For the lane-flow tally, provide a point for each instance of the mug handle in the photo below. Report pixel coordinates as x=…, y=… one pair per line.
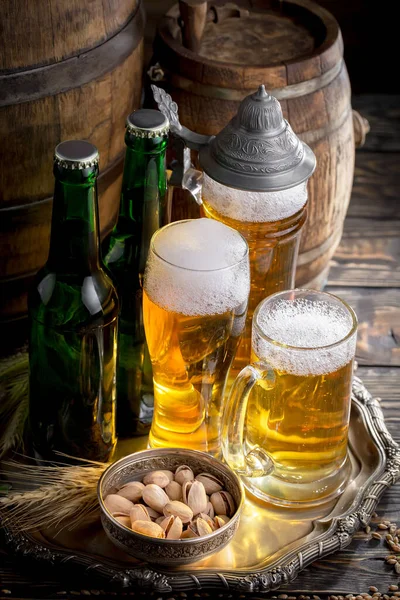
x=257, y=462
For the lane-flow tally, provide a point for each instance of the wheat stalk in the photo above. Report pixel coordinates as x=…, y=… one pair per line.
x=67, y=495
x=14, y=380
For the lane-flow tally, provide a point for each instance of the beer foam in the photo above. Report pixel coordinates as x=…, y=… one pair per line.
x=198, y=267
x=306, y=328
x=254, y=207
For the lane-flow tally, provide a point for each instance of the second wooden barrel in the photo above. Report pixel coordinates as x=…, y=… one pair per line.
x=295, y=48
x=66, y=71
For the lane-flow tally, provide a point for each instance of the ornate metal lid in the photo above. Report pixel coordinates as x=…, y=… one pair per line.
x=258, y=151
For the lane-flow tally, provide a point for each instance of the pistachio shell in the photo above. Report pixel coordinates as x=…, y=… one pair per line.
x=153, y=513
x=148, y=528
x=220, y=521
x=210, y=510
x=166, y=522
x=224, y=518
x=184, y=473
x=189, y=533
x=157, y=477
x=194, y=495
x=203, y=527
x=155, y=497
x=139, y=512
x=211, y=483
x=117, y=504
x=223, y=503
x=169, y=474
x=178, y=509
x=207, y=519
x=174, y=490
x=160, y=520
x=132, y=491
x=124, y=520
x=173, y=527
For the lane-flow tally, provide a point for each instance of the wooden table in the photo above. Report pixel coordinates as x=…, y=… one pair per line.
x=366, y=273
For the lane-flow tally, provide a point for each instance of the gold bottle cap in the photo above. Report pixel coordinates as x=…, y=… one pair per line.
x=76, y=154
x=147, y=123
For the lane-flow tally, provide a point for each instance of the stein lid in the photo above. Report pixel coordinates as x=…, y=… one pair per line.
x=258, y=150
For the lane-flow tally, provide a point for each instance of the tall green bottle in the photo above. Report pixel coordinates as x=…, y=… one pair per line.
x=142, y=211
x=73, y=311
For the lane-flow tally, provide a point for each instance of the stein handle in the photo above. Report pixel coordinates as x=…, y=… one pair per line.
x=257, y=462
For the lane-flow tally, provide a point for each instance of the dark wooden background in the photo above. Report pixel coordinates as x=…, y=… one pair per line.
x=369, y=36
x=365, y=272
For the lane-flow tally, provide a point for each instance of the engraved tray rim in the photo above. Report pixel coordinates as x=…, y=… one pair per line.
x=284, y=570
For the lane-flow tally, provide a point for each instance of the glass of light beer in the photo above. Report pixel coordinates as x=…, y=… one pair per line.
x=196, y=288
x=285, y=425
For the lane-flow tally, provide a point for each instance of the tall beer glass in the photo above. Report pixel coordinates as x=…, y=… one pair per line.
x=196, y=288
x=271, y=222
x=287, y=418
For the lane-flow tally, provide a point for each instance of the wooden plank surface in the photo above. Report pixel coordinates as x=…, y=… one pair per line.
x=378, y=313
x=383, y=114
x=376, y=186
x=368, y=255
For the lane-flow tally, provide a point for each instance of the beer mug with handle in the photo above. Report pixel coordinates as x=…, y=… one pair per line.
x=285, y=425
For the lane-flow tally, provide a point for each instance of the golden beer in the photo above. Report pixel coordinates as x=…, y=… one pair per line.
x=303, y=422
x=194, y=304
x=271, y=223
x=295, y=397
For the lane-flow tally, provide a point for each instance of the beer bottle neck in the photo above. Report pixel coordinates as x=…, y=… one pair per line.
x=74, y=242
x=144, y=180
x=143, y=203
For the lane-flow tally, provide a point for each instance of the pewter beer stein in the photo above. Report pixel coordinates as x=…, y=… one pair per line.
x=255, y=180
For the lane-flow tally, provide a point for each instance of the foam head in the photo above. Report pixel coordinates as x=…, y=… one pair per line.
x=254, y=207
x=305, y=331
x=197, y=267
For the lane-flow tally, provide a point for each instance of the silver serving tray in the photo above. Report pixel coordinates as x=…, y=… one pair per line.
x=271, y=546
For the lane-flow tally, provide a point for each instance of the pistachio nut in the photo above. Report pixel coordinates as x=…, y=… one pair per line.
x=220, y=521
x=210, y=509
x=153, y=513
x=194, y=495
x=211, y=483
x=157, y=477
x=207, y=519
x=132, y=491
x=117, y=504
x=169, y=474
x=155, y=497
x=224, y=518
x=184, y=473
x=148, y=528
x=159, y=520
x=203, y=527
x=174, y=490
x=124, y=520
x=139, y=512
x=173, y=527
x=223, y=503
x=178, y=509
x=189, y=533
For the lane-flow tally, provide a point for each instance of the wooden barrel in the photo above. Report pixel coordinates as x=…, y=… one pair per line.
x=295, y=48
x=67, y=70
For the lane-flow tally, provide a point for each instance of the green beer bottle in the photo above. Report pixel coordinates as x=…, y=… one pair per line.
x=142, y=211
x=73, y=310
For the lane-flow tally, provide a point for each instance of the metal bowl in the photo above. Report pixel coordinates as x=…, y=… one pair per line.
x=163, y=551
